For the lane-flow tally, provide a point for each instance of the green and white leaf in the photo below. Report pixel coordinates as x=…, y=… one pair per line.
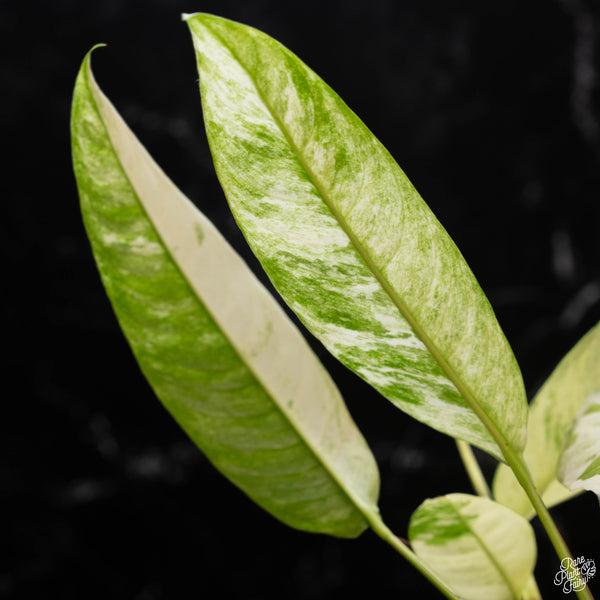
x=218, y=350
x=349, y=243
x=477, y=546
x=579, y=464
x=551, y=415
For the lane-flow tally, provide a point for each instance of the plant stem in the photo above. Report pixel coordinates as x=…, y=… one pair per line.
x=473, y=469
x=524, y=477
x=382, y=530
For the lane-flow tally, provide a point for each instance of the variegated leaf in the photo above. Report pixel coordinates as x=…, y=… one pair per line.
x=349, y=243
x=479, y=547
x=218, y=350
x=579, y=464
x=550, y=417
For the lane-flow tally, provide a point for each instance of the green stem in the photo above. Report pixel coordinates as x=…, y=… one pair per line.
x=473, y=469
x=524, y=477
x=382, y=530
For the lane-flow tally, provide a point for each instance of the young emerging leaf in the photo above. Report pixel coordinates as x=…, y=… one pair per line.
x=479, y=547
x=550, y=418
x=218, y=350
x=579, y=464
x=349, y=243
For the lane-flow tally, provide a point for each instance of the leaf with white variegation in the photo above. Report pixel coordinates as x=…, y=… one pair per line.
x=579, y=463
x=551, y=414
x=349, y=243
x=218, y=350
x=479, y=547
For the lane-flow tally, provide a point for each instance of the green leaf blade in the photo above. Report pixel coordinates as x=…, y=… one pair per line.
x=551, y=415
x=349, y=243
x=217, y=349
x=479, y=547
x=579, y=463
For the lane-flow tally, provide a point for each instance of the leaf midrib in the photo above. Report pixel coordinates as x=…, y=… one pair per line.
x=463, y=388
x=360, y=506
x=486, y=550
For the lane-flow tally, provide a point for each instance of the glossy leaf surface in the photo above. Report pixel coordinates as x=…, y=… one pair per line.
x=349, y=243
x=479, y=547
x=551, y=416
x=218, y=350
x=579, y=463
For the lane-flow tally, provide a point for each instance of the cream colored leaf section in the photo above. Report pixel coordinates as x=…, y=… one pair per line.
x=480, y=548
x=579, y=465
x=551, y=414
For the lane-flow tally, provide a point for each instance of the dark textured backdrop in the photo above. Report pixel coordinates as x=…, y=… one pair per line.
x=492, y=111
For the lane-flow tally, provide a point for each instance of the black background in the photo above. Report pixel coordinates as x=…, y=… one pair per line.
x=492, y=110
